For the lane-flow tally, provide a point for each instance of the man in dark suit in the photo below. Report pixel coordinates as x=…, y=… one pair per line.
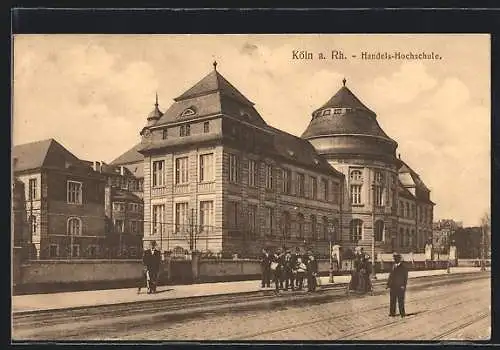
x=312, y=272
x=152, y=260
x=265, y=263
x=398, y=278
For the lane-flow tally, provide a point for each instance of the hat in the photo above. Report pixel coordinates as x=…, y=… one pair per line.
x=396, y=255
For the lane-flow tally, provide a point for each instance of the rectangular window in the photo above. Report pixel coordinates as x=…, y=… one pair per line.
x=158, y=212
x=182, y=130
x=75, y=251
x=134, y=226
x=252, y=173
x=401, y=209
x=270, y=220
x=378, y=195
x=158, y=173
x=119, y=226
x=118, y=207
x=269, y=176
x=252, y=219
x=54, y=250
x=165, y=134
x=188, y=130
x=206, y=215
x=74, y=192
x=233, y=168
x=233, y=215
x=300, y=184
x=335, y=193
x=356, y=194
x=32, y=189
x=206, y=127
x=207, y=167
x=33, y=225
x=413, y=211
x=287, y=178
x=92, y=251
x=181, y=217
x=324, y=189
x=181, y=171
x=314, y=187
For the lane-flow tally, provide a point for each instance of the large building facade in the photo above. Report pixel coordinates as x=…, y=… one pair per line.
x=63, y=201
x=218, y=178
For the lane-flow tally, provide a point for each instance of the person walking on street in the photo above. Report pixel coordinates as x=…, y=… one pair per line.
x=288, y=267
x=312, y=272
x=151, y=260
x=275, y=270
x=265, y=263
x=301, y=271
x=397, y=281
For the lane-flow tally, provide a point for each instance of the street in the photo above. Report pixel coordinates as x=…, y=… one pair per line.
x=446, y=308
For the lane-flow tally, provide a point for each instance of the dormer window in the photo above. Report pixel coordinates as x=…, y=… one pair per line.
x=327, y=112
x=337, y=111
x=356, y=175
x=188, y=112
x=165, y=134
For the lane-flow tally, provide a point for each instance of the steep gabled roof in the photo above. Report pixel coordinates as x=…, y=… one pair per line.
x=130, y=156
x=214, y=82
x=298, y=150
x=45, y=153
x=405, y=168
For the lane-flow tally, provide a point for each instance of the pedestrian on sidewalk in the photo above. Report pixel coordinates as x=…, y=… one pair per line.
x=151, y=260
x=397, y=281
x=301, y=271
x=312, y=272
x=265, y=263
x=276, y=269
x=288, y=268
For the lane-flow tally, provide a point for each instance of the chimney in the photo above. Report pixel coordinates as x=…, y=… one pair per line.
x=97, y=166
x=399, y=155
x=122, y=170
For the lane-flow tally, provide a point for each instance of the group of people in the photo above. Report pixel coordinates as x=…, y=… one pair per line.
x=360, y=274
x=289, y=270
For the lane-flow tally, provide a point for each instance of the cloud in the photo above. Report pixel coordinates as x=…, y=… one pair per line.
x=402, y=86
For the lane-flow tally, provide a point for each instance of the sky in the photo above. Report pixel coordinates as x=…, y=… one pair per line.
x=92, y=93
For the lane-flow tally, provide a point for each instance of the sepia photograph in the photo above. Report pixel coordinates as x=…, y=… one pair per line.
x=251, y=187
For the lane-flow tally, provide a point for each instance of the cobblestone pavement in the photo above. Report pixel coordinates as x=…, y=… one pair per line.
x=458, y=312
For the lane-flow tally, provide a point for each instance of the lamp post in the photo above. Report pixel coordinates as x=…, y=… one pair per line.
x=374, y=274
x=332, y=231
x=483, y=262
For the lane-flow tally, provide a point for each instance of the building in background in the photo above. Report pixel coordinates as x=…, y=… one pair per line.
x=443, y=231
x=381, y=193
x=218, y=178
x=64, y=201
x=123, y=207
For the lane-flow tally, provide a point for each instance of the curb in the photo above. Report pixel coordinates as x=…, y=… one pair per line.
x=265, y=292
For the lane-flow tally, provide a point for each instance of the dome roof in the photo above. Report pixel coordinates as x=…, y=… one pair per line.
x=345, y=126
x=155, y=114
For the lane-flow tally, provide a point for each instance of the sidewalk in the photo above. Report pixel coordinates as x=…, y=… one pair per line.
x=38, y=302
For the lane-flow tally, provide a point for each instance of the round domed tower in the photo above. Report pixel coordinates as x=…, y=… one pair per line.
x=347, y=134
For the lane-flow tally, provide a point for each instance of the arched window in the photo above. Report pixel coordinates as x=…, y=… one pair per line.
x=314, y=228
x=300, y=224
x=407, y=211
x=379, y=230
x=74, y=226
x=401, y=237
x=412, y=238
x=286, y=224
x=407, y=237
x=326, y=233
x=356, y=230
